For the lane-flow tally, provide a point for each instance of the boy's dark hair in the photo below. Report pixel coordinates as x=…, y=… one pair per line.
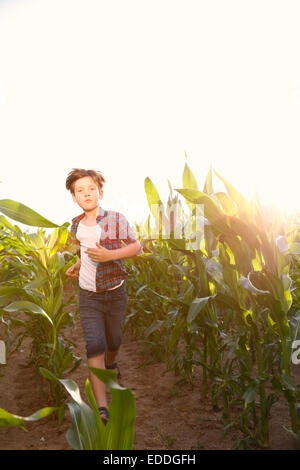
x=77, y=173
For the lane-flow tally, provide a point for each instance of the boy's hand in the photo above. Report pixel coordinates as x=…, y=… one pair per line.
x=99, y=254
x=73, y=271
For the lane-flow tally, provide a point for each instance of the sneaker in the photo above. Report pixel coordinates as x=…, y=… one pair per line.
x=103, y=414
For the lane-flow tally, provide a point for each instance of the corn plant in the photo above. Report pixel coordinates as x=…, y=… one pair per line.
x=255, y=268
x=87, y=430
x=35, y=269
x=226, y=305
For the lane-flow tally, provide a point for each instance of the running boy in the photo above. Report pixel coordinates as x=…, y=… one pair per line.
x=102, y=274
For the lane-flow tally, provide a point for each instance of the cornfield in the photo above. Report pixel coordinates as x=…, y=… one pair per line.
x=215, y=289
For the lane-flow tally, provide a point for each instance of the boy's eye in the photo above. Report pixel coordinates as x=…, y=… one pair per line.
x=91, y=188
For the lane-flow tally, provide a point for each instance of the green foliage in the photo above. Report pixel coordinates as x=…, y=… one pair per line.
x=226, y=306
x=31, y=293
x=11, y=420
x=21, y=213
x=87, y=430
x=229, y=305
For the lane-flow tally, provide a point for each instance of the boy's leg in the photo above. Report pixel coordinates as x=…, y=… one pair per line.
x=99, y=388
x=109, y=360
x=91, y=309
x=114, y=322
x=110, y=356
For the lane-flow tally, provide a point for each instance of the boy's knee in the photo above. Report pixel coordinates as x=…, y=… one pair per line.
x=94, y=349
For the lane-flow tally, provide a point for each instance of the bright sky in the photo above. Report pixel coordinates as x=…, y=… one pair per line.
x=127, y=87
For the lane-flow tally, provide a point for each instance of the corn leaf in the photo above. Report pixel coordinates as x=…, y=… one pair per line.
x=208, y=187
x=120, y=427
x=10, y=420
x=155, y=204
x=228, y=205
x=236, y=195
x=188, y=178
x=21, y=213
x=197, y=305
x=28, y=306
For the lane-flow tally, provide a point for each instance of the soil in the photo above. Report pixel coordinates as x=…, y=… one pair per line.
x=168, y=416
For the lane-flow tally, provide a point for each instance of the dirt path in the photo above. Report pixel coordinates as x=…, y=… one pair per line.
x=167, y=416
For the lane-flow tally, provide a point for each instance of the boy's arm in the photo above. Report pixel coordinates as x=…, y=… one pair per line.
x=101, y=254
x=73, y=270
x=126, y=251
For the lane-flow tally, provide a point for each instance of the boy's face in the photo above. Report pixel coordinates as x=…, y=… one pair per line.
x=87, y=193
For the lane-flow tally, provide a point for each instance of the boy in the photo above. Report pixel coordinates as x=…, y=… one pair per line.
x=102, y=274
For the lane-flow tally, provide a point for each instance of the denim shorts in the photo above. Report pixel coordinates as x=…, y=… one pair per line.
x=102, y=316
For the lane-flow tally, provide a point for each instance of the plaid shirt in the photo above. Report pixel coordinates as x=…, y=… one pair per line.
x=115, y=229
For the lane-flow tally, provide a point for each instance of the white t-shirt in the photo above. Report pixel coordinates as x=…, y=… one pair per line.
x=88, y=236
